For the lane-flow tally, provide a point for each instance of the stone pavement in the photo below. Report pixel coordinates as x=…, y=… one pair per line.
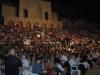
x=95, y=71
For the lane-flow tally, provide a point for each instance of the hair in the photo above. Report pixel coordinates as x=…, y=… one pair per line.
x=57, y=60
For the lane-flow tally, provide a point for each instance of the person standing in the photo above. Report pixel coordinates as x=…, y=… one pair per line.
x=25, y=65
x=37, y=67
x=12, y=63
x=58, y=67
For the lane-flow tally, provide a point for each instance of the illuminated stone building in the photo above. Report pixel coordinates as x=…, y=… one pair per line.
x=30, y=12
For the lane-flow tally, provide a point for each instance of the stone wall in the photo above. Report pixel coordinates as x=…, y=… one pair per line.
x=36, y=10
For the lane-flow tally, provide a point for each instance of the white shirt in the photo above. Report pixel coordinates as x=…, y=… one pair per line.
x=77, y=60
x=60, y=67
x=27, y=41
x=72, y=62
x=25, y=63
x=86, y=65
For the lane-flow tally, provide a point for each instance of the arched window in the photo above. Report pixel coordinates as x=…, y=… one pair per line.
x=25, y=13
x=20, y=23
x=10, y=23
x=46, y=15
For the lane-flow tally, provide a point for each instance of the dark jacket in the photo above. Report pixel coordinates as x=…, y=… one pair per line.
x=12, y=64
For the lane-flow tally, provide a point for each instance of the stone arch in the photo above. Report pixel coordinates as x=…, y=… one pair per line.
x=44, y=25
x=20, y=24
x=57, y=26
x=28, y=24
x=10, y=23
x=51, y=26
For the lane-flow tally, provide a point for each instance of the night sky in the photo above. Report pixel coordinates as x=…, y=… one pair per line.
x=78, y=10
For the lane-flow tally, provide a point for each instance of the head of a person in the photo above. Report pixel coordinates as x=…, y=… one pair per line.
x=38, y=60
x=12, y=51
x=23, y=57
x=57, y=60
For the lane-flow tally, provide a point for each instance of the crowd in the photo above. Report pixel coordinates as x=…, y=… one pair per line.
x=45, y=52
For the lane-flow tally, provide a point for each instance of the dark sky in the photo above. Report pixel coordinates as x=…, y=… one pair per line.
x=77, y=9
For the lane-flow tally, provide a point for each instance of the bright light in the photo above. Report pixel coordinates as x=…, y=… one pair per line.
x=38, y=35
x=27, y=42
